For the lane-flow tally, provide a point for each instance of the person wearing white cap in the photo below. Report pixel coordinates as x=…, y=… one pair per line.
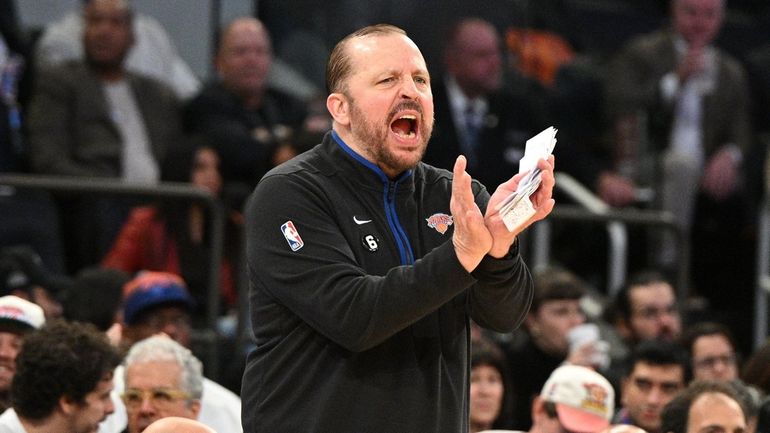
x=575, y=399
x=17, y=318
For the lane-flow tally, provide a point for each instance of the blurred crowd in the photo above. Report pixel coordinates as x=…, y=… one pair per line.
x=659, y=105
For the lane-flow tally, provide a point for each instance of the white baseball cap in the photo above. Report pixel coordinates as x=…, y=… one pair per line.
x=20, y=312
x=585, y=400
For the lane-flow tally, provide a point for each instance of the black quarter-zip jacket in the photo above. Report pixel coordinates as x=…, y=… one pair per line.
x=359, y=306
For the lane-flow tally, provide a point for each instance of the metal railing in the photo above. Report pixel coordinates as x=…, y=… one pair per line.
x=164, y=190
x=763, y=274
x=592, y=210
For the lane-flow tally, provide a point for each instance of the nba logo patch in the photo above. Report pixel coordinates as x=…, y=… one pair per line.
x=292, y=236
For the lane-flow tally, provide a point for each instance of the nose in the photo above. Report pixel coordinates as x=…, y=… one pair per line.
x=109, y=407
x=655, y=397
x=171, y=329
x=147, y=407
x=409, y=89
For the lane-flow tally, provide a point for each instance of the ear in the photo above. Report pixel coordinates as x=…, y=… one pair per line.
x=623, y=329
x=537, y=409
x=68, y=406
x=624, y=382
x=339, y=107
x=195, y=408
x=530, y=322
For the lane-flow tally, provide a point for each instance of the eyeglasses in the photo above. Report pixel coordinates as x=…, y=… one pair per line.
x=160, y=398
x=711, y=361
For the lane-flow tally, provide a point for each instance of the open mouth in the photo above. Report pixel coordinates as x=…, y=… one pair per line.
x=405, y=126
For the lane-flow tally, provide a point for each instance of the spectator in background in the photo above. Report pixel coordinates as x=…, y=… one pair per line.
x=23, y=274
x=173, y=236
x=162, y=378
x=712, y=352
x=153, y=54
x=756, y=370
x=155, y=302
x=95, y=118
x=574, y=399
x=543, y=345
x=27, y=217
x=646, y=308
x=475, y=115
x=691, y=101
x=244, y=119
x=95, y=297
x=491, y=394
x=656, y=371
x=63, y=381
x=705, y=406
x=18, y=318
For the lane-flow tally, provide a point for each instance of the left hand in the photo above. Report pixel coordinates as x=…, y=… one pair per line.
x=542, y=200
x=720, y=178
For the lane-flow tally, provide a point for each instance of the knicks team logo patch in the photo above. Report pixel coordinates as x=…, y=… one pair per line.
x=292, y=236
x=440, y=222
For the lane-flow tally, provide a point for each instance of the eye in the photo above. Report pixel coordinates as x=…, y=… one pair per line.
x=162, y=395
x=387, y=80
x=421, y=80
x=132, y=397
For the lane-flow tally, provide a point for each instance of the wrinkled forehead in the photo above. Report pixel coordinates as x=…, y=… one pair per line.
x=383, y=49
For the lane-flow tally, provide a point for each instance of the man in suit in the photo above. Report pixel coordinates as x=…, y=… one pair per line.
x=94, y=118
x=475, y=116
x=691, y=100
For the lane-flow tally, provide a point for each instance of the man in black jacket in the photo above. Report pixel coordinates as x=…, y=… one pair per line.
x=247, y=122
x=367, y=265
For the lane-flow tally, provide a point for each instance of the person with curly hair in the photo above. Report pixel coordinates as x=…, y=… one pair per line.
x=63, y=381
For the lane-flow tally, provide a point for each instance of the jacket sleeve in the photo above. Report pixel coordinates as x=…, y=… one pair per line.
x=502, y=295
x=322, y=284
x=48, y=126
x=126, y=251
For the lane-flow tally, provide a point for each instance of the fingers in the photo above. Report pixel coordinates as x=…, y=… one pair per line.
x=547, y=181
x=470, y=237
x=461, y=184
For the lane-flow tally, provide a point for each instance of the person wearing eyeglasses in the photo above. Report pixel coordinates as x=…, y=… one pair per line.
x=159, y=302
x=646, y=309
x=712, y=352
x=162, y=379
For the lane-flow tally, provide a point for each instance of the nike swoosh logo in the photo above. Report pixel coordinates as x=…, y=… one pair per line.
x=359, y=222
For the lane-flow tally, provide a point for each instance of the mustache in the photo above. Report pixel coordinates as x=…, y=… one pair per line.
x=405, y=105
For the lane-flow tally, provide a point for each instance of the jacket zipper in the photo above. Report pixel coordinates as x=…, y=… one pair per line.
x=402, y=241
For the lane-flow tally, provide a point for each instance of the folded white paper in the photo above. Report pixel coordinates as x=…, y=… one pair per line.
x=516, y=209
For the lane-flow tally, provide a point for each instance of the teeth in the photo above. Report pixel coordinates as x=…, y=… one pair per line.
x=408, y=117
x=408, y=135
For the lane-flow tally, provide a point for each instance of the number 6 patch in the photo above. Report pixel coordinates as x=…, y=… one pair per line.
x=371, y=242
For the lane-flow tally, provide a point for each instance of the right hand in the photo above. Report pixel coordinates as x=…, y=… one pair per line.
x=471, y=238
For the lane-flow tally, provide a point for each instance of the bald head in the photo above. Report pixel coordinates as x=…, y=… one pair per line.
x=175, y=424
x=472, y=56
x=244, y=57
